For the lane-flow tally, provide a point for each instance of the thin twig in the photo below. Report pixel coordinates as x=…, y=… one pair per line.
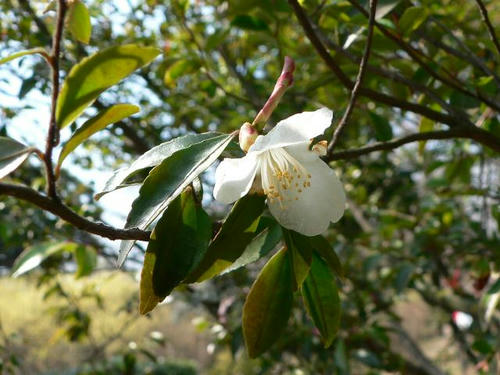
x=59, y=209
x=486, y=19
x=397, y=142
x=359, y=79
x=53, y=133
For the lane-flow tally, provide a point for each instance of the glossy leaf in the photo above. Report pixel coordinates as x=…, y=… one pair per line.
x=411, y=19
x=268, y=304
x=178, y=242
x=12, y=155
x=100, y=121
x=300, y=251
x=78, y=21
x=321, y=245
x=167, y=180
x=238, y=230
x=259, y=247
x=152, y=158
x=96, y=73
x=321, y=298
x=33, y=256
x=23, y=53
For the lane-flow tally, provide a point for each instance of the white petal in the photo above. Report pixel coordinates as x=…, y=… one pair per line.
x=295, y=129
x=318, y=205
x=234, y=177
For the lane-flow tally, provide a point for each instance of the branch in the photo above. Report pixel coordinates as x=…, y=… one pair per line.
x=486, y=19
x=53, y=133
x=56, y=207
x=398, y=142
x=374, y=95
x=357, y=85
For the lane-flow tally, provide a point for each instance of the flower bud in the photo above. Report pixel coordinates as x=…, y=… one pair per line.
x=248, y=135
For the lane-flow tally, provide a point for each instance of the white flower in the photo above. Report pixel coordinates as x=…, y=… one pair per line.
x=303, y=193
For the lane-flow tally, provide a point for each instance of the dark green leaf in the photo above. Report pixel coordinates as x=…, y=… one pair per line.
x=96, y=73
x=300, y=251
x=322, y=300
x=383, y=130
x=238, y=230
x=12, y=155
x=324, y=249
x=268, y=304
x=411, y=19
x=495, y=288
x=27, y=85
x=108, y=116
x=259, y=247
x=168, y=180
x=152, y=158
x=177, y=244
x=247, y=22
x=78, y=21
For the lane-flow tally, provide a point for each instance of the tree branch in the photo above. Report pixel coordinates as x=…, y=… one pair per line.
x=398, y=142
x=53, y=133
x=56, y=207
x=486, y=19
x=359, y=79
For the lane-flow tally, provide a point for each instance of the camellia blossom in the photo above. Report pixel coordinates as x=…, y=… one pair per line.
x=303, y=192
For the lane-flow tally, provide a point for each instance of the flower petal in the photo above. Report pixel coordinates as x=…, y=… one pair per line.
x=317, y=205
x=298, y=128
x=234, y=177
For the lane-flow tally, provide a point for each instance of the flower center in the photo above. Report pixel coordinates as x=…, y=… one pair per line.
x=283, y=177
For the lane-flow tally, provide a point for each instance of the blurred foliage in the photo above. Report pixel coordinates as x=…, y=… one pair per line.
x=422, y=222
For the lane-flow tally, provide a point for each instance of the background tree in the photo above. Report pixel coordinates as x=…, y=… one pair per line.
x=416, y=91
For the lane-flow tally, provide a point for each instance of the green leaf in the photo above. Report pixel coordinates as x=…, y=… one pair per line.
x=411, y=19
x=33, y=256
x=86, y=260
x=152, y=158
x=300, y=252
x=12, y=155
x=78, y=21
x=259, y=247
x=178, y=242
x=238, y=230
x=246, y=22
x=108, y=116
x=95, y=74
x=268, y=304
x=383, y=130
x=425, y=126
x=324, y=249
x=321, y=299
x=179, y=69
x=23, y=53
x=168, y=180
x=495, y=288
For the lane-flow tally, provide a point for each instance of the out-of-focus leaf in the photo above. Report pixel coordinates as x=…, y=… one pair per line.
x=268, y=304
x=108, y=116
x=179, y=69
x=86, y=260
x=178, y=242
x=33, y=256
x=232, y=239
x=152, y=158
x=495, y=288
x=96, y=73
x=411, y=19
x=168, y=180
x=321, y=299
x=23, y=53
x=12, y=155
x=383, y=130
x=403, y=277
x=78, y=21
x=27, y=85
x=384, y=7
x=246, y=22
x=426, y=125
x=260, y=246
